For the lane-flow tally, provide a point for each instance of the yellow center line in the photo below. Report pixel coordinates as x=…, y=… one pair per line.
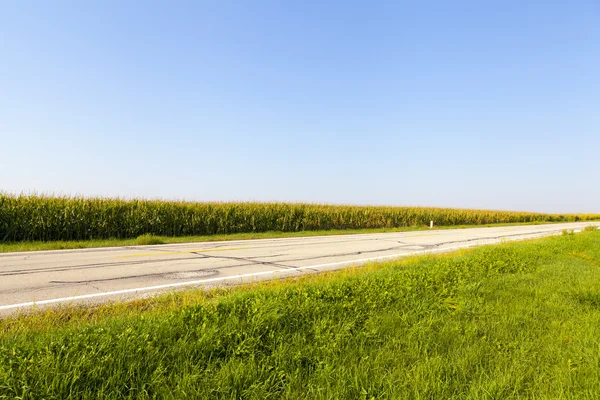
x=428, y=234
x=160, y=253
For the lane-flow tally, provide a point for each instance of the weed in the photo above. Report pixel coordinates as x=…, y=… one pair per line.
x=148, y=239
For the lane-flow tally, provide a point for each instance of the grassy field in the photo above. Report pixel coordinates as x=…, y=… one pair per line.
x=518, y=320
x=41, y=218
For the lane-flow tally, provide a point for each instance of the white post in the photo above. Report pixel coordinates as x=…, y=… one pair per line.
x=430, y=224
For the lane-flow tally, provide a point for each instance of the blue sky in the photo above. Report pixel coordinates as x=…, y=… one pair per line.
x=476, y=104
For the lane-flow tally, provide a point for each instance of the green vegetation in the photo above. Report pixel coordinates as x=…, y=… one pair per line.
x=148, y=239
x=519, y=320
x=40, y=218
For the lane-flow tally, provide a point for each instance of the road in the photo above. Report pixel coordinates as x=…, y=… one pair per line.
x=96, y=275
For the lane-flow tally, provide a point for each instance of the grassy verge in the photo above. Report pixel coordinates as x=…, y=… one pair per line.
x=519, y=320
x=148, y=239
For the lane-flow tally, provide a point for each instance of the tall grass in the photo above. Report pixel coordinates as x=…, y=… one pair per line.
x=45, y=218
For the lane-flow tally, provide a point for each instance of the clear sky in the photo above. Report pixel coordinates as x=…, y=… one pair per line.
x=476, y=104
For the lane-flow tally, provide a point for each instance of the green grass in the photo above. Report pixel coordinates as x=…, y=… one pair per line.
x=149, y=239
x=519, y=320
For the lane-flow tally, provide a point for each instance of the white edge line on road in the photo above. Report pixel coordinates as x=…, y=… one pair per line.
x=241, y=276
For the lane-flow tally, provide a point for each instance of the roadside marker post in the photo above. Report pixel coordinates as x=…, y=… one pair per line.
x=430, y=224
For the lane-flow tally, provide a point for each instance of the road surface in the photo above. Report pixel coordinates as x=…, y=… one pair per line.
x=96, y=275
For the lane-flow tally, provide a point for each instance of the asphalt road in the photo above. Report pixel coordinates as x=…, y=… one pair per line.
x=95, y=275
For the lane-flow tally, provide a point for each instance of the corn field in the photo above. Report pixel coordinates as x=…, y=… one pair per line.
x=44, y=218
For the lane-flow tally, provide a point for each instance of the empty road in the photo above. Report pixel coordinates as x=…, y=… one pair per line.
x=96, y=275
